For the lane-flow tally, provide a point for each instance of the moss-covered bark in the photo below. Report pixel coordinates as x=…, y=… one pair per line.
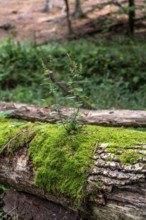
x=78, y=168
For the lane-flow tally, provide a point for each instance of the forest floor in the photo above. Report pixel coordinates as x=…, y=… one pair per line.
x=26, y=20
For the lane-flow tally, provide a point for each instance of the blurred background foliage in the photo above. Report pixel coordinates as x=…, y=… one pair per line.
x=113, y=72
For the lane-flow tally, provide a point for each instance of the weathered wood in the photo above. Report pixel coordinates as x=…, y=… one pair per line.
x=117, y=191
x=113, y=189
x=126, y=118
x=123, y=194
x=17, y=171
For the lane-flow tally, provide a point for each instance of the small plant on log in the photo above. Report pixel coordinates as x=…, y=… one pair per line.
x=72, y=91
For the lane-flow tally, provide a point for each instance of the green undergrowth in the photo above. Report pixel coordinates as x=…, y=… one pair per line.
x=113, y=72
x=63, y=161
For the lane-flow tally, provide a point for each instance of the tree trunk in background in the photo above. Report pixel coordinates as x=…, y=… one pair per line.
x=48, y=6
x=70, y=29
x=78, y=13
x=131, y=21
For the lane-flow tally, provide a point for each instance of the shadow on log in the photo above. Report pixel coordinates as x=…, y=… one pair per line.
x=26, y=207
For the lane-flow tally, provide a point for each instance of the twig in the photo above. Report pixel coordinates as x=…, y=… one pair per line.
x=68, y=91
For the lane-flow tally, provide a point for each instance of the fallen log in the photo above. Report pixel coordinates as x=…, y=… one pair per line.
x=98, y=172
x=125, y=118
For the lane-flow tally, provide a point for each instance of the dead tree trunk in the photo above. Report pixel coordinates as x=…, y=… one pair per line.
x=119, y=191
x=114, y=185
x=126, y=118
x=113, y=190
x=68, y=18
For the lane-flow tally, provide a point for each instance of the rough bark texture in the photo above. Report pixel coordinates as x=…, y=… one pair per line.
x=113, y=190
x=17, y=171
x=122, y=192
x=117, y=191
x=126, y=118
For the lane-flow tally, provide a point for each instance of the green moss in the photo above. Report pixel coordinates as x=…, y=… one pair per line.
x=129, y=157
x=14, y=134
x=63, y=161
x=120, y=140
x=7, y=130
x=119, y=137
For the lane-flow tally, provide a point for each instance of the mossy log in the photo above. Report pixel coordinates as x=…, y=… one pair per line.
x=99, y=172
x=125, y=118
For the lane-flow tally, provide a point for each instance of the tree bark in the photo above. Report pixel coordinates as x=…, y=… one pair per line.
x=17, y=171
x=69, y=23
x=126, y=118
x=78, y=13
x=131, y=18
x=123, y=187
x=117, y=191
